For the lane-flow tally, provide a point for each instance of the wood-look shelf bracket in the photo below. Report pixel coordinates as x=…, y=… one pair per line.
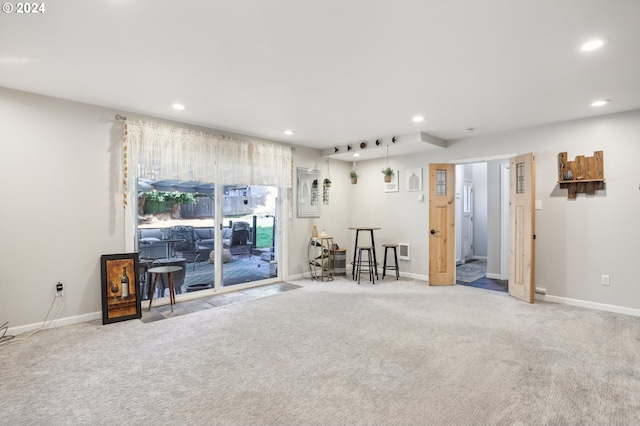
x=583, y=175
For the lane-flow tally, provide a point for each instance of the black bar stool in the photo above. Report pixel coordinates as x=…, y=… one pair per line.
x=395, y=259
x=369, y=265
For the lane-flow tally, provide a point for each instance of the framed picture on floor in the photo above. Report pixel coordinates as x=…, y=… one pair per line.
x=120, y=287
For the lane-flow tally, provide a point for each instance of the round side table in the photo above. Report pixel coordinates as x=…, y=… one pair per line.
x=169, y=270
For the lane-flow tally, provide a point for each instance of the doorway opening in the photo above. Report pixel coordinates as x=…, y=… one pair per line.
x=480, y=213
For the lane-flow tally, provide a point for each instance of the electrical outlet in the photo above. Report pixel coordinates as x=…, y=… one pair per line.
x=605, y=280
x=59, y=290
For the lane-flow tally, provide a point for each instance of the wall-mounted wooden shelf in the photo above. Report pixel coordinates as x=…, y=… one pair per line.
x=584, y=175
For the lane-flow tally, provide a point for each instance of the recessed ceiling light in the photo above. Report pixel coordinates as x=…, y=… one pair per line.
x=289, y=132
x=418, y=119
x=593, y=44
x=178, y=107
x=599, y=103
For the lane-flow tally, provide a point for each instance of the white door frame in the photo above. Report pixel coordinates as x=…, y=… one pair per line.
x=504, y=221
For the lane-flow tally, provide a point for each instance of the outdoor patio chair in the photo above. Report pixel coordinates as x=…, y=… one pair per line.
x=240, y=239
x=187, y=249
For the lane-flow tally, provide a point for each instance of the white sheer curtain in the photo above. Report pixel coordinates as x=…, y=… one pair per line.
x=158, y=151
x=271, y=165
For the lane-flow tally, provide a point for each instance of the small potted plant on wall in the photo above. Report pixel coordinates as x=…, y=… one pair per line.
x=354, y=176
x=388, y=174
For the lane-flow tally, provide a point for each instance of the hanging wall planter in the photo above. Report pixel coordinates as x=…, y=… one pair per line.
x=326, y=184
x=388, y=174
x=387, y=171
x=353, y=174
x=314, y=192
x=354, y=177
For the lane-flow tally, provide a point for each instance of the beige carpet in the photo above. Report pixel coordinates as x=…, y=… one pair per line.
x=397, y=352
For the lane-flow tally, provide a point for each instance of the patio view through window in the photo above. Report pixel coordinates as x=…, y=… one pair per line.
x=176, y=226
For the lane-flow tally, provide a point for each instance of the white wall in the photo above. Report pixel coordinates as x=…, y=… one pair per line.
x=60, y=164
x=480, y=209
x=60, y=168
x=460, y=168
x=334, y=217
x=402, y=217
x=494, y=216
x=577, y=240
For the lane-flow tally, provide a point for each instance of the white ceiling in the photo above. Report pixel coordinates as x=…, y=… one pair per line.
x=337, y=72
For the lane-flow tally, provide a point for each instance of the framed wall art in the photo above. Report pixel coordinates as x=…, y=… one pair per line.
x=309, y=185
x=120, y=287
x=414, y=179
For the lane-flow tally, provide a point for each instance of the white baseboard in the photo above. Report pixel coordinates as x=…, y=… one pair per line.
x=479, y=257
x=417, y=277
x=589, y=305
x=493, y=276
x=302, y=276
x=405, y=274
x=76, y=319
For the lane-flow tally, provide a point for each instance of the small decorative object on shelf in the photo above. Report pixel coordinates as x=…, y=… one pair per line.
x=569, y=175
x=583, y=175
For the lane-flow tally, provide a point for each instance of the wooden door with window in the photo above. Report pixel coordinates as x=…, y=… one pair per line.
x=522, y=176
x=442, y=208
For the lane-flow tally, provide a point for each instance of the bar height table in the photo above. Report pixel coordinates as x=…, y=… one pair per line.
x=355, y=250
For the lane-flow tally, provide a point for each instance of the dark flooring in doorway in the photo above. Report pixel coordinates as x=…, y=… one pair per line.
x=190, y=306
x=473, y=274
x=488, y=284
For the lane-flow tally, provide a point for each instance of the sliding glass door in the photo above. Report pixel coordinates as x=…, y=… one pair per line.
x=248, y=234
x=178, y=225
